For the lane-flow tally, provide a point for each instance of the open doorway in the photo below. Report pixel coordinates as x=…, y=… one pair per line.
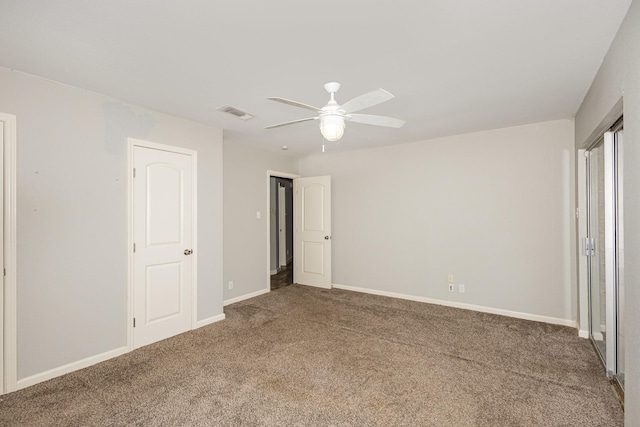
x=281, y=231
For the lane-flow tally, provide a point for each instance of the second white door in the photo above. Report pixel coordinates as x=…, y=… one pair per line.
x=163, y=237
x=312, y=238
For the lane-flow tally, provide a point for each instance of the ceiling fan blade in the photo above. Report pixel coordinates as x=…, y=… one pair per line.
x=292, y=122
x=369, y=119
x=367, y=100
x=295, y=103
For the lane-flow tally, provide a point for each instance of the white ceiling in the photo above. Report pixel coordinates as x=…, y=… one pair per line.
x=454, y=66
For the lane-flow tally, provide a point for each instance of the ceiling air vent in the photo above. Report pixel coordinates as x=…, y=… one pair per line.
x=235, y=112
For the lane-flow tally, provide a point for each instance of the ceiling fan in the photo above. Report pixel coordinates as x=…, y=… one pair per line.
x=332, y=116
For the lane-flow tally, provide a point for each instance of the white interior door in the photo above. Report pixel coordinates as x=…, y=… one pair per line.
x=312, y=235
x=163, y=237
x=282, y=226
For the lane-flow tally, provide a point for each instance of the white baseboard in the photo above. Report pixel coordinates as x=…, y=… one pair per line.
x=597, y=336
x=246, y=296
x=70, y=367
x=274, y=272
x=465, y=306
x=84, y=363
x=209, y=320
x=583, y=334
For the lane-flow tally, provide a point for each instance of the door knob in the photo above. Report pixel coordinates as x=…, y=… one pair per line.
x=326, y=237
x=188, y=251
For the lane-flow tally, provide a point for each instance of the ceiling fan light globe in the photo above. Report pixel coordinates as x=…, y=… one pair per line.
x=332, y=127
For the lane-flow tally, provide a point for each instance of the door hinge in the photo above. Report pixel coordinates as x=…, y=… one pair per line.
x=134, y=172
x=134, y=248
x=4, y=271
x=577, y=213
x=134, y=322
x=589, y=246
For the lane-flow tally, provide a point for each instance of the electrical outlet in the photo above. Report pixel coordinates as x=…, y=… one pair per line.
x=461, y=288
x=231, y=284
x=451, y=288
x=450, y=278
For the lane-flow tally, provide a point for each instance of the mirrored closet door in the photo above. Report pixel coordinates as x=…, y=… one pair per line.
x=604, y=249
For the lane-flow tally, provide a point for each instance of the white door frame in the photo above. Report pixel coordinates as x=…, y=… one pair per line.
x=9, y=334
x=194, y=300
x=275, y=174
x=610, y=265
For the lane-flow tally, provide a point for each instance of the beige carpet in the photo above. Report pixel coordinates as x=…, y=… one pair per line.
x=301, y=356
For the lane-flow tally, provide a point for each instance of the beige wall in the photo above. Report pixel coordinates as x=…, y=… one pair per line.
x=245, y=237
x=72, y=216
x=494, y=208
x=619, y=78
